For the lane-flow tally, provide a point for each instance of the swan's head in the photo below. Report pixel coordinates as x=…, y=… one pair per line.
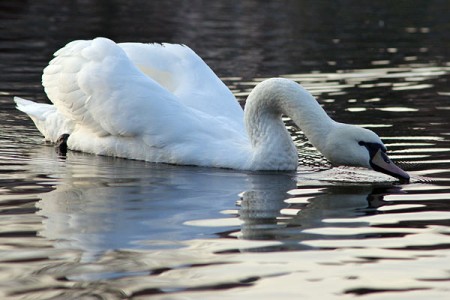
x=356, y=146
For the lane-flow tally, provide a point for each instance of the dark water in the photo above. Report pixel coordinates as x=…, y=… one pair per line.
x=89, y=227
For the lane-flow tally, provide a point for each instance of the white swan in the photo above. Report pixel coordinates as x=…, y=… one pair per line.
x=162, y=103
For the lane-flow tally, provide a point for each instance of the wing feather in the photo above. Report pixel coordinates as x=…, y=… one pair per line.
x=168, y=114
x=95, y=84
x=187, y=76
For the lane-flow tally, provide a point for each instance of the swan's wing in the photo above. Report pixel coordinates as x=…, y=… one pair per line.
x=94, y=84
x=186, y=75
x=46, y=118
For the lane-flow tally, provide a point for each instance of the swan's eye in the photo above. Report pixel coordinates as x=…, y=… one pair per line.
x=373, y=147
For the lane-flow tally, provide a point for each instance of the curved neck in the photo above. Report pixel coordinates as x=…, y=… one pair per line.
x=275, y=97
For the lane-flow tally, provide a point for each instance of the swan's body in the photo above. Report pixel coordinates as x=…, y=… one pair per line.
x=162, y=103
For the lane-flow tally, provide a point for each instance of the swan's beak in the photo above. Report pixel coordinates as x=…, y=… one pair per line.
x=380, y=162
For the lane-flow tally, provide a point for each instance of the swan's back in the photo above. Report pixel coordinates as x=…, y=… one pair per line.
x=182, y=72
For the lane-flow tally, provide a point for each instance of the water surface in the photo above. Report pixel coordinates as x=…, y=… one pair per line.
x=87, y=226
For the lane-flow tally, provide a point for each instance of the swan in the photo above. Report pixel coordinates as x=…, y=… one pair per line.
x=162, y=103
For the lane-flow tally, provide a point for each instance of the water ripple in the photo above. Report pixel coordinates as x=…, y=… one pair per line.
x=94, y=227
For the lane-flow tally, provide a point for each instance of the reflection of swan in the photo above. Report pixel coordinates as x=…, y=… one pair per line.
x=162, y=103
x=103, y=204
x=261, y=204
x=276, y=215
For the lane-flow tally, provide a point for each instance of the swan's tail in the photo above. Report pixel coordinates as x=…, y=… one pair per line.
x=46, y=118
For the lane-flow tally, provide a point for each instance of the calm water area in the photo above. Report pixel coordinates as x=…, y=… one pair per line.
x=93, y=227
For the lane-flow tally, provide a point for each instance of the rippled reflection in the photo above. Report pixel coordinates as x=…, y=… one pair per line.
x=117, y=204
x=94, y=227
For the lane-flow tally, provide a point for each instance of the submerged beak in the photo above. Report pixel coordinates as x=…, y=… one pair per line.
x=380, y=162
